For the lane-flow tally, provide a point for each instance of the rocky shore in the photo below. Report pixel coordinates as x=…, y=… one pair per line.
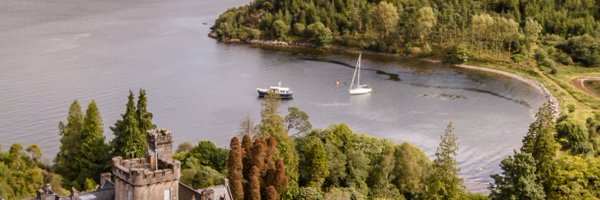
x=550, y=99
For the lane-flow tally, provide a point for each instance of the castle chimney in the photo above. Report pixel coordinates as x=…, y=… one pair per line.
x=104, y=177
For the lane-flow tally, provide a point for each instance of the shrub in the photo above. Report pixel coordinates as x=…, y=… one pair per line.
x=458, y=54
x=299, y=28
x=584, y=49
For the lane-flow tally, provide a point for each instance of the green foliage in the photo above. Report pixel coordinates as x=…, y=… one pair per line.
x=503, y=27
x=70, y=144
x=201, y=177
x=443, y=182
x=280, y=30
x=572, y=137
x=83, y=153
x=205, y=153
x=130, y=131
x=458, y=54
x=319, y=34
x=584, y=49
x=309, y=193
x=385, y=18
x=297, y=119
x=519, y=179
x=411, y=170
x=313, y=162
x=273, y=125
x=20, y=174
x=575, y=177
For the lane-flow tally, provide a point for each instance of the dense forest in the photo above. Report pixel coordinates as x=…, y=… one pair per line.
x=548, y=32
x=283, y=157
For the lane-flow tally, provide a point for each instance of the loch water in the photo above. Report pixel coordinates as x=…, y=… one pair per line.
x=54, y=51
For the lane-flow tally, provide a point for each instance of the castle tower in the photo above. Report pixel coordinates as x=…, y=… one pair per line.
x=154, y=177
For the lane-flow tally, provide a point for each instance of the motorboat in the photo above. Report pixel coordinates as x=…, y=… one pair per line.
x=282, y=92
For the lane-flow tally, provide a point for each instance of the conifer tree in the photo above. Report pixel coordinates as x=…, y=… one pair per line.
x=94, y=151
x=272, y=124
x=518, y=180
x=144, y=117
x=444, y=182
x=259, y=155
x=281, y=179
x=254, y=184
x=272, y=193
x=246, y=158
x=129, y=141
x=70, y=144
x=235, y=168
x=540, y=143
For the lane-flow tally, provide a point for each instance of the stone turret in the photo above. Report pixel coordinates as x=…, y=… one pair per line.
x=155, y=176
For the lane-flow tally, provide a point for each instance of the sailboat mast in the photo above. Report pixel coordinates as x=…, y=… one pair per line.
x=358, y=73
x=354, y=74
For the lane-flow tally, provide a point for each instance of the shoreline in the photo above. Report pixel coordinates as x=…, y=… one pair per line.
x=548, y=96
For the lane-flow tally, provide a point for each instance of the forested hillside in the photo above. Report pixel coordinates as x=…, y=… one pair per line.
x=551, y=31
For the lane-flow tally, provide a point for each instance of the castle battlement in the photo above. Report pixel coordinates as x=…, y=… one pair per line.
x=161, y=136
x=138, y=171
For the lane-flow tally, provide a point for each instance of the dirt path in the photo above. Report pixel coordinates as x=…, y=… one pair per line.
x=579, y=83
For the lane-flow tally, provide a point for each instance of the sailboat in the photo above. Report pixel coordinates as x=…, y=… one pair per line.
x=358, y=88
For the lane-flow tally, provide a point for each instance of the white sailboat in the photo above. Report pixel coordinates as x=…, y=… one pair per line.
x=358, y=88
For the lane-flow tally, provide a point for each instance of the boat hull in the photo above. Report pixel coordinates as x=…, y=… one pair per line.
x=263, y=93
x=359, y=91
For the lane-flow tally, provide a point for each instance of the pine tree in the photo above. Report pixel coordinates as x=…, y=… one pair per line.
x=235, y=169
x=144, y=117
x=444, y=182
x=518, y=179
x=540, y=143
x=94, y=151
x=70, y=144
x=129, y=141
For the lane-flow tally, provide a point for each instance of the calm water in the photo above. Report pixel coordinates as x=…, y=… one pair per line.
x=57, y=50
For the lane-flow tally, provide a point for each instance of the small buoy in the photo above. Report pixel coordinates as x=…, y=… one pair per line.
x=337, y=82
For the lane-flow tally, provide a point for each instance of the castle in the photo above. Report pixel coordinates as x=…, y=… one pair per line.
x=153, y=177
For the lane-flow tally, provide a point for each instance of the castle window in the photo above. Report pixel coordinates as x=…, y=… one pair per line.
x=129, y=194
x=167, y=194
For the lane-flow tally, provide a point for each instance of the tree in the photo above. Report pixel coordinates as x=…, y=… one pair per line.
x=235, y=169
x=573, y=138
x=94, y=151
x=425, y=20
x=129, y=141
x=254, y=184
x=280, y=29
x=411, y=170
x=540, y=143
x=518, y=180
x=532, y=31
x=313, y=162
x=143, y=115
x=297, y=119
x=70, y=144
x=272, y=124
x=247, y=126
x=385, y=17
x=319, y=34
x=584, y=49
x=272, y=193
x=444, y=182
x=36, y=153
